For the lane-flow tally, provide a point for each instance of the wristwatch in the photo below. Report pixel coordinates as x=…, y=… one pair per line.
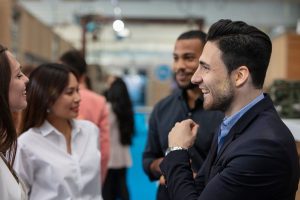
x=174, y=149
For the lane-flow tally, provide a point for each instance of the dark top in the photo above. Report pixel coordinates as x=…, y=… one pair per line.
x=257, y=161
x=165, y=114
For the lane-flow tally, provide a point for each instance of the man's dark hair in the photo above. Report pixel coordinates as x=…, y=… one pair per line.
x=75, y=59
x=193, y=34
x=242, y=44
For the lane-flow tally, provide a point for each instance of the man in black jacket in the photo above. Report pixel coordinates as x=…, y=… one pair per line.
x=253, y=155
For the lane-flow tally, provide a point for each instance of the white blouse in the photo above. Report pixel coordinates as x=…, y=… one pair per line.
x=10, y=188
x=50, y=172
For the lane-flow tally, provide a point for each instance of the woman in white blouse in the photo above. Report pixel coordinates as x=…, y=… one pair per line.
x=58, y=156
x=12, y=99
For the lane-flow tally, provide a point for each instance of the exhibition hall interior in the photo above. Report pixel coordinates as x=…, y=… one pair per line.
x=134, y=40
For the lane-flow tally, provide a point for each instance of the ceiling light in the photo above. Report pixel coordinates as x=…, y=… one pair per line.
x=118, y=25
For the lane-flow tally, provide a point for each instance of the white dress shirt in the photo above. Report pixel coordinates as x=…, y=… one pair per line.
x=50, y=172
x=10, y=188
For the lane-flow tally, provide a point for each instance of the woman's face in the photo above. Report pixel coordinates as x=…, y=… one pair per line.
x=67, y=104
x=17, y=86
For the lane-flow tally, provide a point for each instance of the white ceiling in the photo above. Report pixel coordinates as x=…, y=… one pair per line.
x=151, y=44
x=265, y=13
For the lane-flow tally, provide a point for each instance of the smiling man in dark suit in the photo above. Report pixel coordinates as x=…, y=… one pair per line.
x=253, y=155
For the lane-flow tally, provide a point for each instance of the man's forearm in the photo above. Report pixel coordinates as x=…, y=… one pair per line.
x=154, y=167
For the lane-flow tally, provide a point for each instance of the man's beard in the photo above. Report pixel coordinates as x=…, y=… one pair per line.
x=190, y=86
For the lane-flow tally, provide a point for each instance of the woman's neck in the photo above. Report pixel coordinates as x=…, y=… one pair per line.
x=64, y=126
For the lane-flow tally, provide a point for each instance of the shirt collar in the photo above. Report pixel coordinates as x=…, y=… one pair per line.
x=228, y=122
x=46, y=128
x=182, y=95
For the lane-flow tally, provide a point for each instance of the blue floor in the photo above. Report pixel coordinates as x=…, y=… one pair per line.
x=140, y=187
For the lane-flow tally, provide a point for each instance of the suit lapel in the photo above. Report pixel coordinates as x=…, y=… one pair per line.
x=243, y=123
x=211, y=157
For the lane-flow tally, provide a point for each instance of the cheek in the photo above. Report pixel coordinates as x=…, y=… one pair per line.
x=13, y=93
x=224, y=88
x=64, y=104
x=217, y=87
x=17, y=100
x=193, y=65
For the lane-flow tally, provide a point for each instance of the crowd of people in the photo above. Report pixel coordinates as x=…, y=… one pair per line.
x=218, y=136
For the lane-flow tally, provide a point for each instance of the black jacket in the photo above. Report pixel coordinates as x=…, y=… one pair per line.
x=258, y=161
x=165, y=114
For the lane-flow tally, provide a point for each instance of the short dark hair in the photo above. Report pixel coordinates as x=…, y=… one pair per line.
x=242, y=44
x=46, y=84
x=193, y=34
x=75, y=59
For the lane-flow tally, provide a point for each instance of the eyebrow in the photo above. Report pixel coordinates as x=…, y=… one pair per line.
x=203, y=63
x=185, y=54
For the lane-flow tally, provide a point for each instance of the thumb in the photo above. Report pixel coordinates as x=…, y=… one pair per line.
x=194, y=128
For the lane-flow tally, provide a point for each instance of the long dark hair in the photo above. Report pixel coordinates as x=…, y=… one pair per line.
x=8, y=134
x=118, y=96
x=46, y=84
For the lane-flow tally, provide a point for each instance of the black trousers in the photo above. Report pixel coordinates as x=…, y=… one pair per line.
x=115, y=186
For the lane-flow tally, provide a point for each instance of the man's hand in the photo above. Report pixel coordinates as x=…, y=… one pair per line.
x=154, y=167
x=183, y=134
x=162, y=180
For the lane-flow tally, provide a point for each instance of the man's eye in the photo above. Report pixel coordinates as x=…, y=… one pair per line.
x=190, y=58
x=203, y=67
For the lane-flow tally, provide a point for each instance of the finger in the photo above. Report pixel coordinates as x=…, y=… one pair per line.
x=195, y=129
x=190, y=121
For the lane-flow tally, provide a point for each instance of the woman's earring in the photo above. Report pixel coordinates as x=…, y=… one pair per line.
x=48, y=110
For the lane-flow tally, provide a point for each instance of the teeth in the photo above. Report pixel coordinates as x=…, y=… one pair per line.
x=204, y=91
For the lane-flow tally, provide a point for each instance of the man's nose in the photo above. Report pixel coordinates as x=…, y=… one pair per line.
x=197, y=78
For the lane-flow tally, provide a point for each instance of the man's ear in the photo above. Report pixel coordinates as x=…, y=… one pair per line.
x=241, y=75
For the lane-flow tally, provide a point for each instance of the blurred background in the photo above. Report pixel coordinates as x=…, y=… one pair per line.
x=134, y=39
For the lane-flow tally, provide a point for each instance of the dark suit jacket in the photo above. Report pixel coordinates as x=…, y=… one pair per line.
x=258, y=161
x=166, y=113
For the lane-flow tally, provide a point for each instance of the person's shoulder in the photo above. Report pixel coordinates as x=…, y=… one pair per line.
x=28, y=137
x=28, y=133
x=168, y=100
x=92, y=96
x=87, y=127
x=84, y=124
x=266, y=124
x=275, y=123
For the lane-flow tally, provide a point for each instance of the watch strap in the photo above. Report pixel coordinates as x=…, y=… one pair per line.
x=174, y=149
